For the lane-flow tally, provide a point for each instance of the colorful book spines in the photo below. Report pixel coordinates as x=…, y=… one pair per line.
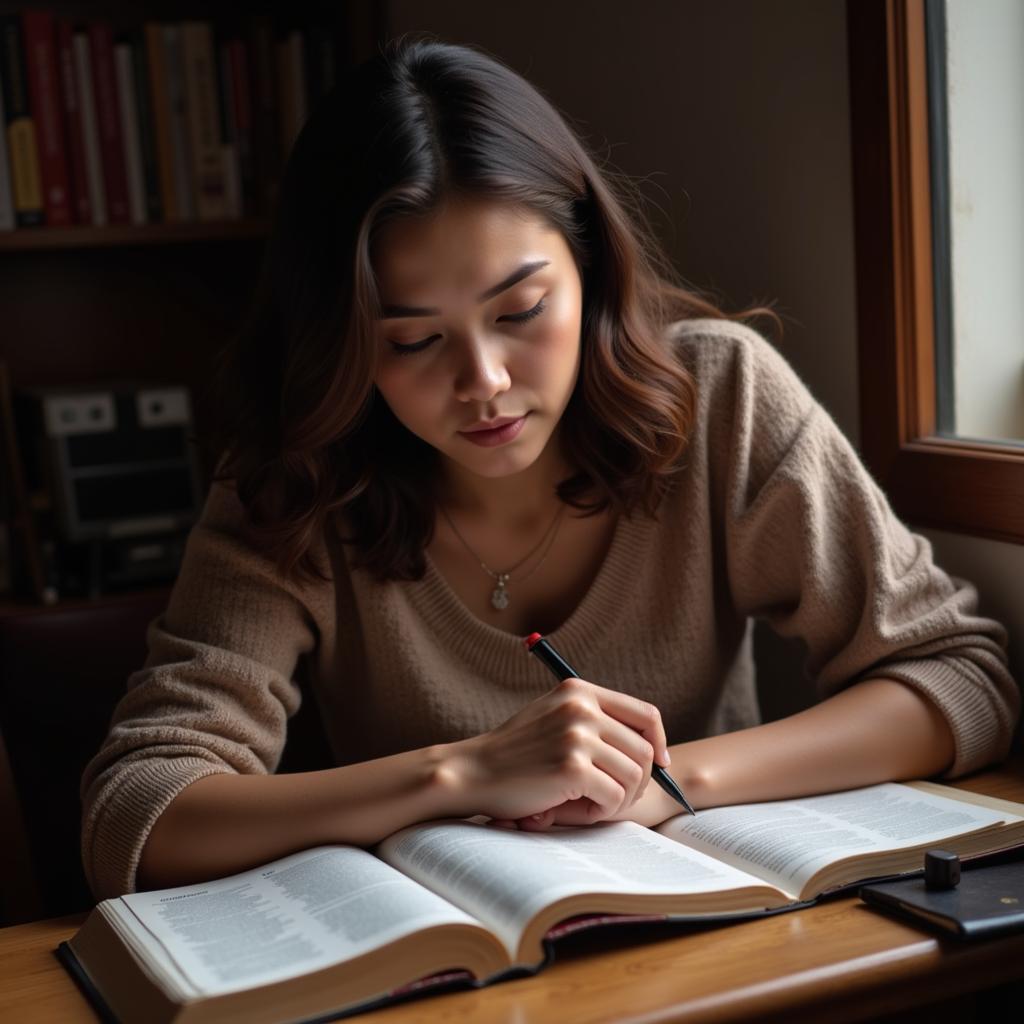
x=172, y=121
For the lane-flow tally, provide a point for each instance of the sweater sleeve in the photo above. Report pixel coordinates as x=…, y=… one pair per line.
x=814, y=548
x=213, y=695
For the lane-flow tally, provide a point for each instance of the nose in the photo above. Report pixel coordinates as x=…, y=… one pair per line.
x=481, y=371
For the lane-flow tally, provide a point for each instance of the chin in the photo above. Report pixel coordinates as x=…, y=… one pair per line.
x=496, y=463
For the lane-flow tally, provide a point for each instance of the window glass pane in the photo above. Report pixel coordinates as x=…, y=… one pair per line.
x=976, y=99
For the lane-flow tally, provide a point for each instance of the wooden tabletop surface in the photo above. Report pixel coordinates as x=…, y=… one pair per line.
x=837, y=961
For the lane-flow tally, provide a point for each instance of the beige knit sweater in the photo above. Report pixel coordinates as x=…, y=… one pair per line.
x=773, y=516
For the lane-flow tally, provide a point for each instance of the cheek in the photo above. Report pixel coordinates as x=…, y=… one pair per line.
x=411, y=397
x=559, y=347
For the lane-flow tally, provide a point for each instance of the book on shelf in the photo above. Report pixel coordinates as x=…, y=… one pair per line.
x=464, y=903
x=74, y=137
x=7, y=216
x=108, y=122
x=145, y=126
x=209, y=171
x=45, y=101
x=124, y=67
x=95, y=184
x=19, y=126
x=237, y=114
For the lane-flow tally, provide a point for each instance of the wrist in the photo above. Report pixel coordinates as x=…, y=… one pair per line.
x=695, y=781
x=449, y=773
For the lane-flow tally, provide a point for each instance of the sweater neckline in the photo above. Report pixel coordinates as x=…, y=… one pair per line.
x=477, y=641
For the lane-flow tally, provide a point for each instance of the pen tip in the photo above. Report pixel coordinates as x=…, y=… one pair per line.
x=531, y=640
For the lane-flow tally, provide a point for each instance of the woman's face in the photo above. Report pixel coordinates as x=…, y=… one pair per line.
x=482, y=307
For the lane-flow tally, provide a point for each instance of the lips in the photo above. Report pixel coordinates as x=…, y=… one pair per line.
x=501, y=421
x=495, y=432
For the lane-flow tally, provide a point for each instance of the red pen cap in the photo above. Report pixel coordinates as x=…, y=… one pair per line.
x=531, y=640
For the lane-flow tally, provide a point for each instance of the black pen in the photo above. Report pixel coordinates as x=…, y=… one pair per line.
x=536, y=644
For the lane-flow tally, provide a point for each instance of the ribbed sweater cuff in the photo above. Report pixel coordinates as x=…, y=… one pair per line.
x=120, y=832
x=967, y=708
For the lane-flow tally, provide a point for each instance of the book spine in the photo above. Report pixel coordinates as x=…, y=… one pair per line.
x=90, y=129
x=130, y=131
x=80, y=205
x=7, y=221
x=108, y=119
x=291, y=78
x=23, y=152
x=203, y=121
x=241, y=97
x=44, y=98
x=268, y=156
x=184, y=197
x=229, y=131
x=161, y=107
x=147, y=129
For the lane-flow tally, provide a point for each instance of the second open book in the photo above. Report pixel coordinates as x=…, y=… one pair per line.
x=338, y=928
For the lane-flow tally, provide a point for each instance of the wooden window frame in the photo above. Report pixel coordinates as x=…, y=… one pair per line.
x=946, y=483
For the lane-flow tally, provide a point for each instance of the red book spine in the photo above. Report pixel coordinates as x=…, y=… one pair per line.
x=44, y=98
x=108, y=116
x=73, y=124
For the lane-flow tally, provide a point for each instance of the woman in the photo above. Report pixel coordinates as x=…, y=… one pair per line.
x=472, y=404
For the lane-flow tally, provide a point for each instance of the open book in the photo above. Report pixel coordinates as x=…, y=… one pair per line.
x=464, y=903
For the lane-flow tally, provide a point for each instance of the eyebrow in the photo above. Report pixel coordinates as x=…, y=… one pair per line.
x=391, y=312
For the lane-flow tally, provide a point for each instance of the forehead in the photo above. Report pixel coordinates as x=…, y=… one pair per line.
x=464, y=244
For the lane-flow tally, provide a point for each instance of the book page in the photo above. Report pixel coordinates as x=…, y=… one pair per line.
x=787, y=841
x=286, y=918
x=504, y=877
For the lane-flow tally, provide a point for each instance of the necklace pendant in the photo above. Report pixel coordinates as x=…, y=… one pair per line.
x=499, y=596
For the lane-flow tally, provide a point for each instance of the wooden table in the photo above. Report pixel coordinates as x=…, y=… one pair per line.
x=837, y=961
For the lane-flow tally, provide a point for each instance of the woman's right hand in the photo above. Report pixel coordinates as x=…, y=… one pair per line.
x=581, y=749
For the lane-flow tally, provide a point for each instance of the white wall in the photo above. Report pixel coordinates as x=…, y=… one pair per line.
x=736, y=114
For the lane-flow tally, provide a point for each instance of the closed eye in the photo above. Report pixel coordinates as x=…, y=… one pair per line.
x=419, y=346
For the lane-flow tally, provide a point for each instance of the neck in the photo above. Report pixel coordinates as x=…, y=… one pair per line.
x=512, y=503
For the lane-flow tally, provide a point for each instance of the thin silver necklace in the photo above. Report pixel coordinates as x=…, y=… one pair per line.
x=500, y=596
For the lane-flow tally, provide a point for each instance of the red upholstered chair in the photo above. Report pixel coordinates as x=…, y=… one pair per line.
x=62, y=670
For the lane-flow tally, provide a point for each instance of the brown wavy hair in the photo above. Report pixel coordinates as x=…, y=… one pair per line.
x=305, y=438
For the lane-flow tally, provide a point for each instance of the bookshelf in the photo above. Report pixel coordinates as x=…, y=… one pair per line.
x=84, y=237
x=84, y=304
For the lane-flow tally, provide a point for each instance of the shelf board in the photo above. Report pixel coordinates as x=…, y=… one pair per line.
x=12, y=607
x=84, y=237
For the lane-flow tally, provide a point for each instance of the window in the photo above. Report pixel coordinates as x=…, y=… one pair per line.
x=941, y=466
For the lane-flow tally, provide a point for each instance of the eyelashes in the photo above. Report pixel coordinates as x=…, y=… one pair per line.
x=521, y=318
x=419, y=346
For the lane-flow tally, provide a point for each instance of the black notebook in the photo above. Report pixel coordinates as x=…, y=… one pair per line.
x=988, y=901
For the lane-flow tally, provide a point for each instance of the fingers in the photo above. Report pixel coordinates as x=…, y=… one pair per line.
x=638, y=733
x=537, y=822
x=630, y=769
x=639, y=715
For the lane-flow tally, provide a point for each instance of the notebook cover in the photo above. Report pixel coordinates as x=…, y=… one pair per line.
x=988, y=901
